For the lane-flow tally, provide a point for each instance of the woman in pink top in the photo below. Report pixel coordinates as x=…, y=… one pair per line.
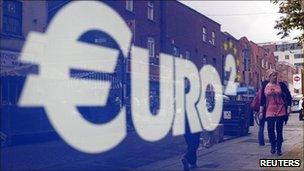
x=276, y=100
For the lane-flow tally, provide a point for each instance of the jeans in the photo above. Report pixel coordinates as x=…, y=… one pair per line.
x=261, y=132
x=193, y=141
x=275, y=131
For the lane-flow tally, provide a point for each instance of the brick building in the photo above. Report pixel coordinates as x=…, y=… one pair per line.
x=285, y=74
x=290, y=52
x=188, y=34
x=262, y=60
x=245, y=61
x=231, y=45
x=289, y=60
x=255, y=60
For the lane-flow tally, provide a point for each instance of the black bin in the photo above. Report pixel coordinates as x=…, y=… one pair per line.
x=237, y=117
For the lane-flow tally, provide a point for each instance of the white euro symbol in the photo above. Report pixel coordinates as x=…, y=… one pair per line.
x=56, y=52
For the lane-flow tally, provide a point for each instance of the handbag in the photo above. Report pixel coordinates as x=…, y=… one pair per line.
x=255, y=104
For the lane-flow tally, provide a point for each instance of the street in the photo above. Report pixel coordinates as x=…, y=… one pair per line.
x=235, y=153
x=243, y=153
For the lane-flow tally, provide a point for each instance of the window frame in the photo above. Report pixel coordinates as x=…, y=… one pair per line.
x=204, y=34
x=298, y=56
x=129, y=5
x=205, y=59
x=18, y=18
x=150, y=10
x=299, y=64
x=213, y=38
x=151, y=46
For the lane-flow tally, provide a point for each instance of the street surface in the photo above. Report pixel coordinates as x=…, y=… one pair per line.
x=243, y=153
x=235, y=153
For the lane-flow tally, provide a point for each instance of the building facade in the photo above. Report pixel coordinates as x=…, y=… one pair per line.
x=255, y=60
x=245, y=62
x=190, y=35
x=290, y=60
x=285, y=74
x=17, y=18
x=290, y=52
x=263, y=60
x=231, y=45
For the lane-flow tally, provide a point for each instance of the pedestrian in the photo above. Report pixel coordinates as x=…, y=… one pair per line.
x=301, y=113
x=189, y=159
x=255, y=105
x=276, y=100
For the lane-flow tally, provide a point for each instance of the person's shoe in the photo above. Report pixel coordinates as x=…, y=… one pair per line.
x=279, y=152
x=262, y=144
x=272, y=151
x=208, y=144
x=273, y=148
x=193, y=166
x=185, y=164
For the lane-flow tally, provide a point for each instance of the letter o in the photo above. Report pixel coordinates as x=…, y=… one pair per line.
x=210, y=120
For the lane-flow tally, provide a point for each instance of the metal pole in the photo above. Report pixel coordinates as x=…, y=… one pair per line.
x=302, y=68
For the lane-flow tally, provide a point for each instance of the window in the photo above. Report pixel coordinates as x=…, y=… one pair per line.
x=175, y=51
x=204, y=34
x=187, y=54
x=280, y=48
x=286, y=56
x=246, y=57
x=150, y=10
x=263, y=65
x=12, y=17
x=296, y=56
x=151, y=46
x=276, y=58
x=214, y=61
x=299, y=64
x=213, y=38
x=204, y=59
x=129, y=5
x=298, y=46
x=131, y=24
x=266, y=64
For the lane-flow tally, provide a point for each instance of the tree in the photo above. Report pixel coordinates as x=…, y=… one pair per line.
x=293, y=18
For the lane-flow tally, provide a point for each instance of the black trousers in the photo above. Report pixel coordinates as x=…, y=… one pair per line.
x=261, y=131
x=275, y=131
x=193, y=141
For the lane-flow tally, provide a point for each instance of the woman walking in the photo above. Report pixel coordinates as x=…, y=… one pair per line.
x=276, y=101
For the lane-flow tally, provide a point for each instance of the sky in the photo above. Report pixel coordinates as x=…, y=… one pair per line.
x=253, y=19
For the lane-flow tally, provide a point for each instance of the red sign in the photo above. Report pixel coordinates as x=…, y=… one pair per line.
x=296, y=78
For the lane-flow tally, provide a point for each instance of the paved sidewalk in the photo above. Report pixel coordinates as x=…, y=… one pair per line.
x=242, y=153
x=133, y=153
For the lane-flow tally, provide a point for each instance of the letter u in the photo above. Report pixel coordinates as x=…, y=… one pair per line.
x=148, y=126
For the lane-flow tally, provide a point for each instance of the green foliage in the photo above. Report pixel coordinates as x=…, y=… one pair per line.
x=293, y=18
